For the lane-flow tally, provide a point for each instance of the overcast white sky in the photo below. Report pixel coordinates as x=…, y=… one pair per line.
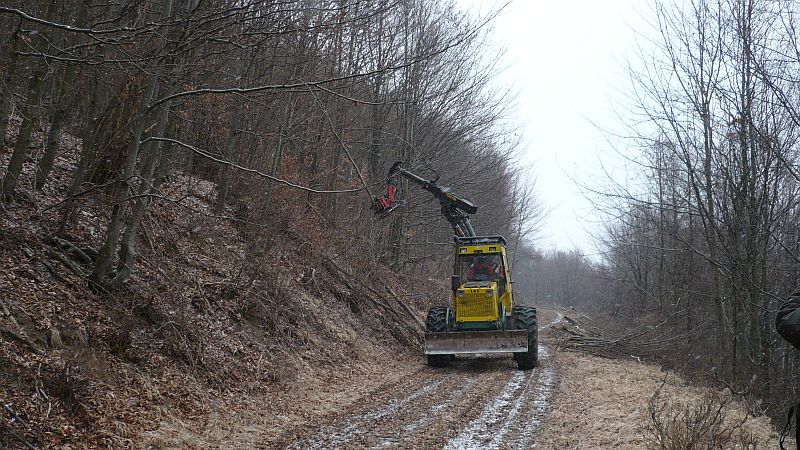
x=566, y=60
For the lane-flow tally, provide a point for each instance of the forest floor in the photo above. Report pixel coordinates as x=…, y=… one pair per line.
x=212, y=333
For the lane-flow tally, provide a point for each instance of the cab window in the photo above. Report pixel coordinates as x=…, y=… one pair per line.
x=483, y=267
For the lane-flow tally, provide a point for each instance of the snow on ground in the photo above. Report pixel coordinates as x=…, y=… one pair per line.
x=511, y=419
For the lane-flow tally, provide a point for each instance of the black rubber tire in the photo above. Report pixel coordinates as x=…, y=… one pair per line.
x=525, y=319
x=436, y=322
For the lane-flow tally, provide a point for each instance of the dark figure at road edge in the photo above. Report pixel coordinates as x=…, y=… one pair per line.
x=787, y=323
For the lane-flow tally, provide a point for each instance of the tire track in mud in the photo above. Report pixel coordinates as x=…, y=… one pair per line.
x=339, y=435
x=417, y=411
x=533, y=405
x=479, y=402
x=512, y=418
x=358, y=425
x=475, y=381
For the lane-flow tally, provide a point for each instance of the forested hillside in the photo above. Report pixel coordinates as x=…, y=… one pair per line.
x=709, y=240
x=288, y=108
x=186, y=191
x=699, y=243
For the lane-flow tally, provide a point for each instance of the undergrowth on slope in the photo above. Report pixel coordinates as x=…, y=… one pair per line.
x=206, y=323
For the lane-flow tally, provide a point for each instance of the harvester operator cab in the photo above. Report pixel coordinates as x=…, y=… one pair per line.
x=480, y=268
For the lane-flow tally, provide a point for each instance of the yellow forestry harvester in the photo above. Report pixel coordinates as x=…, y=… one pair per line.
x=481, y=316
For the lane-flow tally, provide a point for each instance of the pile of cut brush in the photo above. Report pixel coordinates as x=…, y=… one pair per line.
x=579, y=332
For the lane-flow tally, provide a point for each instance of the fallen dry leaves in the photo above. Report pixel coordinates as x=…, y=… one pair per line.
x=207, y=339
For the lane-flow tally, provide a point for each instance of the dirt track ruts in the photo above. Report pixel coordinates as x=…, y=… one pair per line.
x=476, y=402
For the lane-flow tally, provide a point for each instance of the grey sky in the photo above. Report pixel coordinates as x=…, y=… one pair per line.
x=566, y=61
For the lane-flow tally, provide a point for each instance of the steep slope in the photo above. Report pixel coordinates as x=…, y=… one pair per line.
x=206, y=331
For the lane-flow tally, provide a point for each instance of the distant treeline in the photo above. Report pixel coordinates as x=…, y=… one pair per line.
x=703, y=238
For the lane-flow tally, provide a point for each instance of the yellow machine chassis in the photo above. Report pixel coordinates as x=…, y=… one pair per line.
x=474, y=305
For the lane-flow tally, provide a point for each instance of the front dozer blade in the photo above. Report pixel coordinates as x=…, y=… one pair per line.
x=476, y=342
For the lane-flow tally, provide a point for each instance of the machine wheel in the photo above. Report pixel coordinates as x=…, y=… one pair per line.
x=436, y=322
x=525, y=319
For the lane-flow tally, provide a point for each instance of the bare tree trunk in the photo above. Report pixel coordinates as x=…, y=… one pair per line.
x=105, y=257
x=54, y=135
x=24, y=138
x=87, y=155
x=122, y=187
x=28, y=111
x=6, y=94
x=282, y=138
x=223, y=177
x=147, y=185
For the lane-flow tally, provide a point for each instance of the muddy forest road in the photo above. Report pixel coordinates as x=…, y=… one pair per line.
x=477, y=402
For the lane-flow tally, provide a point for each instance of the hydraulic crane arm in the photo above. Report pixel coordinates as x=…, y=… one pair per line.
x=455, y=209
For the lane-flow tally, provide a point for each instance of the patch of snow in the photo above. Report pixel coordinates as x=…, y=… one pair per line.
x=477, y=432
x=334, y=437
x=505, y=411
x=440, y=407
x=556, y=321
